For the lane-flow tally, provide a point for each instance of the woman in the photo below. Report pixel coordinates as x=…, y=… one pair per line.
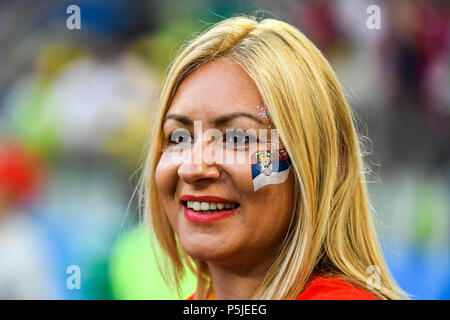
x=254, y=217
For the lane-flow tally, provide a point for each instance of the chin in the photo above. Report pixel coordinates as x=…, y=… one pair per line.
x=206, y=250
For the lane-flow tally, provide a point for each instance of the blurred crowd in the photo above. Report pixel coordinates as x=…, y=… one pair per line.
x=76, y=111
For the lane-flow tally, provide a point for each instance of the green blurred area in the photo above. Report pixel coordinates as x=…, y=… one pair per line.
x=134, y=272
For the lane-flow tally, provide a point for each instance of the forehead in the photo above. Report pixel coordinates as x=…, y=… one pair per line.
x=216, y=88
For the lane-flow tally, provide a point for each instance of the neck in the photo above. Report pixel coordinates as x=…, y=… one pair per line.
x=237, y=282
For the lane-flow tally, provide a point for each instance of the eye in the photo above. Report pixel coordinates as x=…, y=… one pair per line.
x=180, y=136
x=238, y=139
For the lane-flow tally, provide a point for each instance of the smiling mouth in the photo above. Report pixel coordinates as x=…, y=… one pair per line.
x=209, y=207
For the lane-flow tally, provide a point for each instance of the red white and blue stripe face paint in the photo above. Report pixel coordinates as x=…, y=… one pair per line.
x=269, y=167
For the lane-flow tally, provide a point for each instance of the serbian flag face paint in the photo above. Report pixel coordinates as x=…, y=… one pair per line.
x=269, y=167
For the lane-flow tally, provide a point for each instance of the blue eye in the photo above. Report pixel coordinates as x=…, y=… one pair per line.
x=238, y=139
x=180, y=136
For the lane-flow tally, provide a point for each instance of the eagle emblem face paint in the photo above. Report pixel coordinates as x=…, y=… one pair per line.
x=269, y=167
x=272, y=166
x=265, y=163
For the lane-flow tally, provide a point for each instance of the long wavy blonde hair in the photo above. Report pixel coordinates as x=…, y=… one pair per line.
x=331, y=233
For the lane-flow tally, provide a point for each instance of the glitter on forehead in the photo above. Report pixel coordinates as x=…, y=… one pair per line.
x=262, y=112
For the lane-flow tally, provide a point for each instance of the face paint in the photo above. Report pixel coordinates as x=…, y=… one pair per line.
x=265, y=163
x=269, y=167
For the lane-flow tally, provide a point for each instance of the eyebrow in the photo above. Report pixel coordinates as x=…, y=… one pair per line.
x=180, y=118
x=226, y=118
x=219, y=121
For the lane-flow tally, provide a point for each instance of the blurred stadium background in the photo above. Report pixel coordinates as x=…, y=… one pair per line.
x=76, y=108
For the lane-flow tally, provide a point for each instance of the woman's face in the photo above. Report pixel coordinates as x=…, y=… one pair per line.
x=211, y=201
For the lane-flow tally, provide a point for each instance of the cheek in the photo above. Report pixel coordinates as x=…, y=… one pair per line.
x=268, y=210
x=166, y=176
x=241, y=175
x=272, y=212
x=275, y=198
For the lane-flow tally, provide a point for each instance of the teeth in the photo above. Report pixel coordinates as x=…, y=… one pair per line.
x=196, y=206
x=204, y=206
x=209, y=207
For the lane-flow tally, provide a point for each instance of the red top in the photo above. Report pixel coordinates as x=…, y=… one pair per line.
x=334, y=289
x=331, y=289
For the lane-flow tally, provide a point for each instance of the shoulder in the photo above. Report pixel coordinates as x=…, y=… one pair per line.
x=334, y=289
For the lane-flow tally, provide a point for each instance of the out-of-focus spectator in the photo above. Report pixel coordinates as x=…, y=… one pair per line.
x=415, y=53
x=83, y=101
x=25, y=267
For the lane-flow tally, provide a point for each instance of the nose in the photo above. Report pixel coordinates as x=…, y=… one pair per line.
x=195, y=169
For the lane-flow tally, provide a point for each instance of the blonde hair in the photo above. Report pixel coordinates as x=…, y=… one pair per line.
x=331, y=233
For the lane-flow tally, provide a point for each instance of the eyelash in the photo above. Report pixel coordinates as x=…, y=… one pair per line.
x=173, y=135
x=248, y=138
x=171, y=141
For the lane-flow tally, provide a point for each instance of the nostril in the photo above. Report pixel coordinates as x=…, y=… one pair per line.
x=198, y=181
x=205, y=180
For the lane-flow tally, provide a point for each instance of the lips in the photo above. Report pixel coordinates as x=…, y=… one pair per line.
x=207, y=209
x=204, y=199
